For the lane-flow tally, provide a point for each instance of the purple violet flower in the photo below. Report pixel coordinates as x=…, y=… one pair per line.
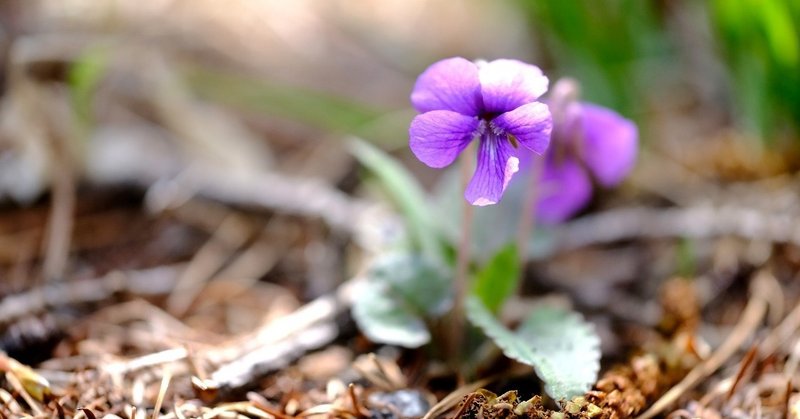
x=495, y=101
x=585, y=136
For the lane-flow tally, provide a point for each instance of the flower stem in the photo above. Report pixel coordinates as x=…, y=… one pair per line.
x=527, y=217
x=462, y=266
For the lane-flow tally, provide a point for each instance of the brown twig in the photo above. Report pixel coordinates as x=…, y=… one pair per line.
x=358, y=409
x=162, y=392
x=145, y=361
x=694, y=222
x=451, y=400
x=87, y=412
x=743, y=367
x=252, y=263
x=259, y=403
x=60, y=222
x=464, y=405
x=231, y=234
x=781, y=333
x=786, y=406
x=20, y=389
x=282, y=340
x=285, y=194
x=155, y=281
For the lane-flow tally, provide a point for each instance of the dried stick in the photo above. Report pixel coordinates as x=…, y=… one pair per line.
x=155, y=281
x=60, y=222
x=162, y=391
x=273, y=356
x=451, y=400
x=282, y=340
x=231, y=234
x=695, y=222
x=145, y=361
x=253, y=262
x=781, y=333
x=20, y=389
x=272, y=347
x=278, y=192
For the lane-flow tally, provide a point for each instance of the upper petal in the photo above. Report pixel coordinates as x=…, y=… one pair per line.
x=509, y=84
x=530, y=124
x=610, y=143
x=497, y=162
x=437, y=137
x=451, y=84
x=564, y=188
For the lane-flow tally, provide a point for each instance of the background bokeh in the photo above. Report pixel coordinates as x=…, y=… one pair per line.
x=294, y=75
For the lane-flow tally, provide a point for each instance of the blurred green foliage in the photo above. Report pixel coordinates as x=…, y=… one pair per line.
x=83, y=77
x=405, y=192
x=323, y=110
x=327, y=111
x=626, y=54
x=760, y=40
x=619, y=49
x=608, y=45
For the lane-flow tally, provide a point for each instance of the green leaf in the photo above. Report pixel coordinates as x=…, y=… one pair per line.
x=405, y=191
x=401, y=292
x=562, y=347
x=498, y=279
x=84, y=75
x=329, y=112
x=384, y=319
x=336, y=113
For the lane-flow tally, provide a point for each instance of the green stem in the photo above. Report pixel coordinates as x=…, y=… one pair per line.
x=527, y=218
x=462, y=266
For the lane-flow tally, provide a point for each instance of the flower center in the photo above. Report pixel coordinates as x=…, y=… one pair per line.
x=489, y=128
x=488, y=116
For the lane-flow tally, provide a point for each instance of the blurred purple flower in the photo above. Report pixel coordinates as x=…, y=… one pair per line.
x=494, y=101
x=585, y=136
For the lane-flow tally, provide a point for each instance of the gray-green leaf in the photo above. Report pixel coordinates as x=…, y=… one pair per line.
x=384, y=319
x=84, y=75
x=402, y=290
x=559, y=344
x=405, y=191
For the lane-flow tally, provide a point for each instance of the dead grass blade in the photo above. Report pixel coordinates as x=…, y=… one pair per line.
x=452, y=399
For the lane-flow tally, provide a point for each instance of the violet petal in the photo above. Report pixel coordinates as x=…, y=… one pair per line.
x=509, y=84
x=564, y=189
x=610, y=144
x=451, y=84
x=437, y=137
x=530, y=124
x=497, y=162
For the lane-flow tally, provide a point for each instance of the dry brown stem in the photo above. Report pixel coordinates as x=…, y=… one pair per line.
x=693, y=222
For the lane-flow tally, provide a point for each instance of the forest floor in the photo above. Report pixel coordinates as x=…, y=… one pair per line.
x=214, y=305
x=156, y=271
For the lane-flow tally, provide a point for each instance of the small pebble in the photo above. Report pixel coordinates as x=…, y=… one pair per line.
x=406, y=403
